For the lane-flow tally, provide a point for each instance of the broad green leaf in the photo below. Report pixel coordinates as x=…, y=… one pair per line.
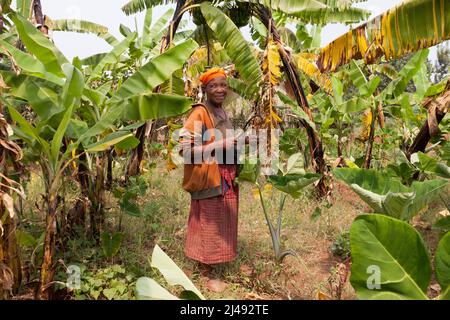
x=388, y=195
x=30, y=65
x=338, y=90
x=293, y=184
x=149, y=289
x=442, y=261
x=232, y=40
x=111, y=243
x=109, y=141
x=131, y=208
x=70, y=97
x=128, y=143
x=38, y=94
x=158, y=27
x=39, y=45
x=443, y=224
x=389, y=259
x=171, y=272
x=156, y=71
x=24, y=7
x=154, y=106
x=353, y=105
x=436, y=89
x=429, y=164
x=112, y=57
x=28, y=130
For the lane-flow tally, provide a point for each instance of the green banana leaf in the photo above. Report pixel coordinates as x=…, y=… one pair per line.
x=388, y=195
x=155, y=106
x=431, y=165
x=389, y=259
x=112, y=57
x=135, y=6
x=234, y=43
x=30, y=65
x=289, y=6
x=24, y=7
x=80, y=26
x=39, y=45
x=156, y=71
x=109, y=141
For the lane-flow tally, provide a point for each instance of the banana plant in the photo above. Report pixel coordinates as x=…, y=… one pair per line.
x=56, y=90
x=390, y=260
x=387, y=195
x=291, y=179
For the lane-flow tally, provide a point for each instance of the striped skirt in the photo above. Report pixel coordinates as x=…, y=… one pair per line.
x=213, y=224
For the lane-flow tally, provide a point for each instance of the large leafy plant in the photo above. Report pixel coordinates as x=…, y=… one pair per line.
x=388, y=195
x=149, y=289
x=390, y=260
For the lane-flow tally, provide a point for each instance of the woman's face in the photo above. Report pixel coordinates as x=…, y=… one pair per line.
x=216, y=90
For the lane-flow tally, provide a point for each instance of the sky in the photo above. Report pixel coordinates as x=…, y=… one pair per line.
x=108, y=13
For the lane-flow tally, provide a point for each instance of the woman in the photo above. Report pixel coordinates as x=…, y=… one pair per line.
x=213, y=218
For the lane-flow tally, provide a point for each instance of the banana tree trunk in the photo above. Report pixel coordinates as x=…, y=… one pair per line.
x=10, y=263
x=315, y=144
x=47, y=268
x=137, y=154
x=97, y=198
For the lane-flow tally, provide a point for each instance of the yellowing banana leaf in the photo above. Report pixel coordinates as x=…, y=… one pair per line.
x=406, y=28
x=109, y=141
x=311, y=70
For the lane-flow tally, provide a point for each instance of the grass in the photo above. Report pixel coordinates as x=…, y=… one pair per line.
x=254, y=274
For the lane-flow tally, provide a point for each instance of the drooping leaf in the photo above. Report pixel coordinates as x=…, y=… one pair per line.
x=388, y=195
x=40, y=46
x=232, y=40
x=109, y=141
x=389, y=259
x=153, y=74
x=112, y=57
x=155, y=106
x=171, y=272
x=135, y=6
x=410, y=26
x=149, y=289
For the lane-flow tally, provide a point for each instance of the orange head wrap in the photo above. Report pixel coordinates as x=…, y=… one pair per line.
x=211, y=74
